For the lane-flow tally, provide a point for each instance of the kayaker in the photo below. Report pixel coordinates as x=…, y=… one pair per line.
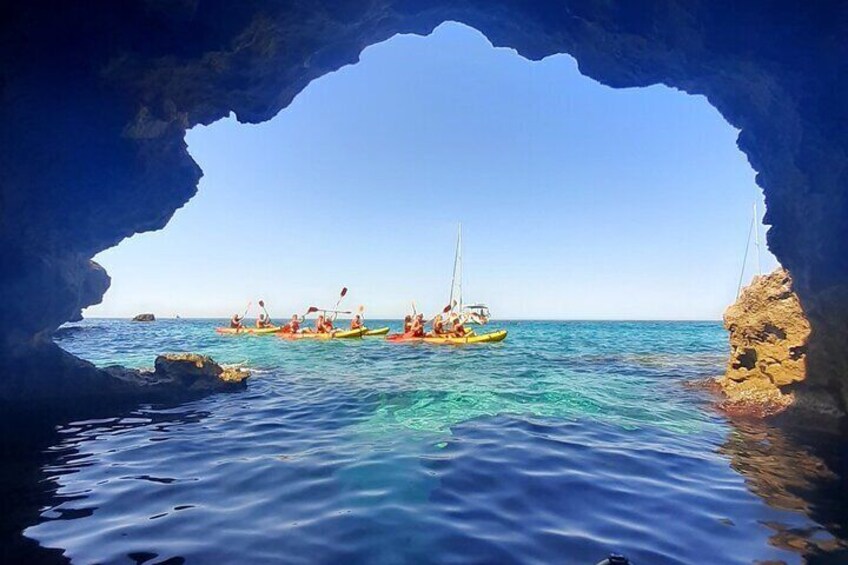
x=458, y=329
x=235, y=321
x=293, y=326
x=328, y=325
x=263, y=321
x=356, y=322
x=319, y=324
x=417, y=328
x=438, y=326
x=407, y=324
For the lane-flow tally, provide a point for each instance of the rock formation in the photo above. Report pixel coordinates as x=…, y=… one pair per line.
x=175, y=376
x=768, y=370
x=144, y=318
x=197, y=372
x=106, y=158
x=768, y=344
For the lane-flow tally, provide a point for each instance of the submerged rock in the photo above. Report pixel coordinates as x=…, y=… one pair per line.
x=144, y=318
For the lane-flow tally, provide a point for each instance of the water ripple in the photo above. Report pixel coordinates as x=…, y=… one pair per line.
x=566, y=442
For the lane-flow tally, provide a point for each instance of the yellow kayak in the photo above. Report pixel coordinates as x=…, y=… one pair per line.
x=376, y=331
x=338, y=334
x=252, y=331
x=491, y=337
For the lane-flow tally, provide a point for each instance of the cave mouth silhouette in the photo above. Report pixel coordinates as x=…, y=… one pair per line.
x=97, y=102
x=423, y=116
x=107, y=157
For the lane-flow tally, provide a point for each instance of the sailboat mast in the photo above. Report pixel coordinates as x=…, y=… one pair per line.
x=456, y=259
x=459, y=248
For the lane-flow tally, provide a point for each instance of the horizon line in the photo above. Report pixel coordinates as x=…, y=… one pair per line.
x=401, y=319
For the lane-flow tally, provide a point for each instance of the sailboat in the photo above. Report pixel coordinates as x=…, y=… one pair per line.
x=477, y=313
x=755, y=231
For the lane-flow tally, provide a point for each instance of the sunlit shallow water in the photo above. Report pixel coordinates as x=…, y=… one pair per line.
x=565, y=442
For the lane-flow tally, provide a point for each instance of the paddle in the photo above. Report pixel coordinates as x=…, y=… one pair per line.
x=262, y=305
x=335, y=308
x=249, y=303
x=310, y=310
x=445, y=310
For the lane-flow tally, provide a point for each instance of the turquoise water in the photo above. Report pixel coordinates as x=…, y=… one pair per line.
x=565, y=442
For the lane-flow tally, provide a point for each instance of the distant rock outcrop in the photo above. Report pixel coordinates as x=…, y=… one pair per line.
x=144, y=318
x=768, y=345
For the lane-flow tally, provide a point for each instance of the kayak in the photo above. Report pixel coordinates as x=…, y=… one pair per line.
x=376, y=331
x=340, y=334
x=491, y=337
x=253, y=331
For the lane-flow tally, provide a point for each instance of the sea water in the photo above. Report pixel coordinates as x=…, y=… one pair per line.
x=566, y=442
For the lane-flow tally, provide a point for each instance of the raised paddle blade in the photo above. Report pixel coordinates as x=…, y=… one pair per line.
x=262, y=304
x=446, y=309
x=361, y=308
x=344, y=291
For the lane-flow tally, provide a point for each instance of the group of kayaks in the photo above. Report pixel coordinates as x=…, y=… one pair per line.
x=279, y=331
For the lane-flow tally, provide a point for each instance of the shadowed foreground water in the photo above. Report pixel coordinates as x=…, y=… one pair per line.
x=566, y=442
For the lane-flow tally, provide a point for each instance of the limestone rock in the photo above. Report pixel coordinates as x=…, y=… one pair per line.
x=769, y=332
x=50, y=376
x=144, y=318
x=197, y=372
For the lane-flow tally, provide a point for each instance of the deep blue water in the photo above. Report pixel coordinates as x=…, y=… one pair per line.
x=565, y=442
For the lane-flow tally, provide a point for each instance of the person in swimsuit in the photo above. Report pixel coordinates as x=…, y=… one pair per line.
x=417, y=328
x=438, y=326
x=356, y=322
x=458, y=329
x=293, y=326
x=235, y=321
x=263, y=321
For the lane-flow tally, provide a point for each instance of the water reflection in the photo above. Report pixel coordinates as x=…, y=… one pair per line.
x=38, y=456
x=804, y=474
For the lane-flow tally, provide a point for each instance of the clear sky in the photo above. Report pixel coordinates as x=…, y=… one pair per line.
x=577, y=201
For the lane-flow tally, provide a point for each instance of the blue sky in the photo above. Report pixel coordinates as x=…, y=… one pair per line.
x=577, y=201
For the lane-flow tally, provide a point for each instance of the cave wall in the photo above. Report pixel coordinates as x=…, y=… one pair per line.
x=97, y=97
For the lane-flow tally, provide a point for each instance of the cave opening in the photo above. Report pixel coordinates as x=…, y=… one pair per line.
x=589, y=202
x=761, y=68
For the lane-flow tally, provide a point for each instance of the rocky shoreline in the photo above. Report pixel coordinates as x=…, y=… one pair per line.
x=52, y=378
